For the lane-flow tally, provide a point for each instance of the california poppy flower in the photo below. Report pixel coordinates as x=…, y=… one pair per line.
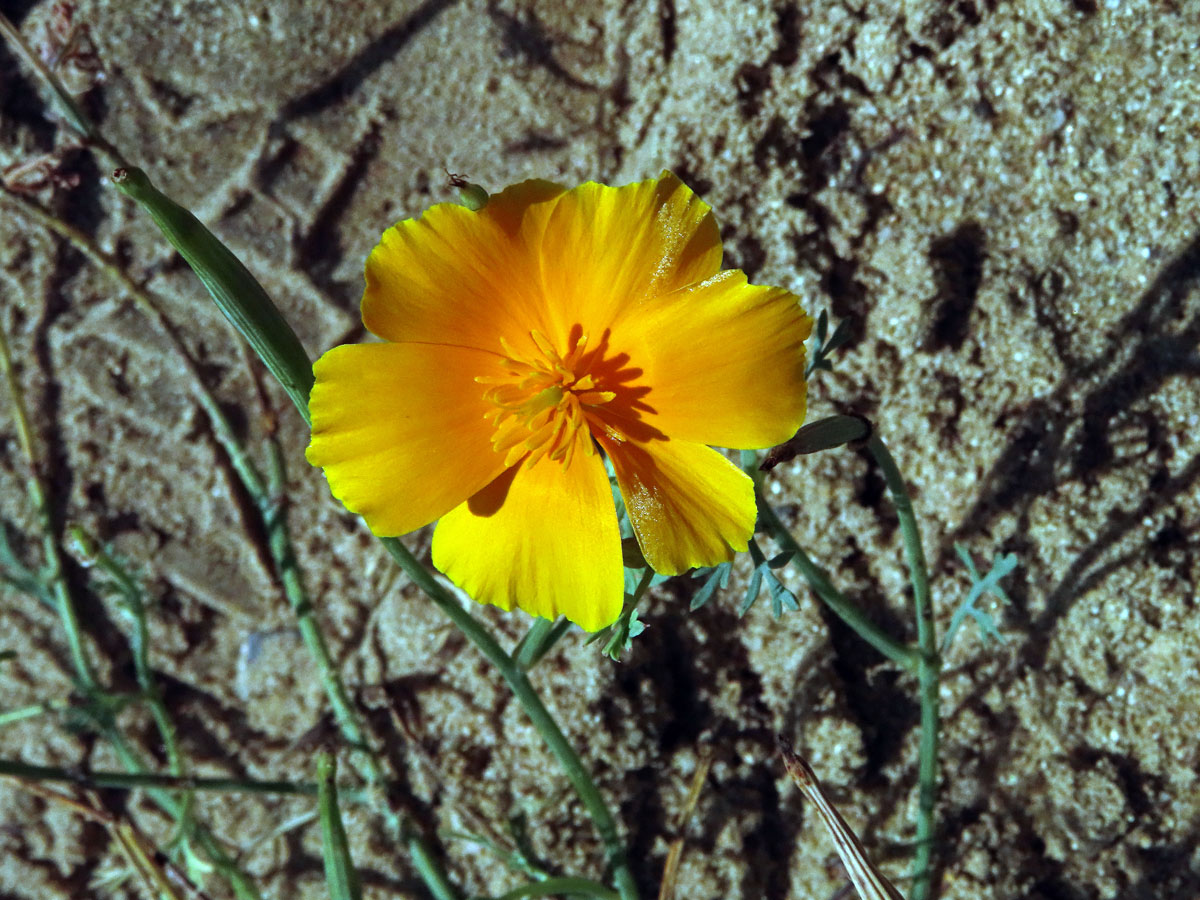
x=525, y=342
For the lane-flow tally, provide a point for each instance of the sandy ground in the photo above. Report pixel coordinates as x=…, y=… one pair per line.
x=1002, y=200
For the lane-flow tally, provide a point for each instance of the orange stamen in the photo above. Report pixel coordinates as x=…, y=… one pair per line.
x=542, y=402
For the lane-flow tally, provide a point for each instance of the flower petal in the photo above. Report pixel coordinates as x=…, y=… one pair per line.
x=399, y=430
x=724, y=361
x=689, y=505
x=543, y=538
x=606, y=247
x=453, y=276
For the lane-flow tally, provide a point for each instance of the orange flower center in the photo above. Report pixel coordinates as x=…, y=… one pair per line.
x=542, y=402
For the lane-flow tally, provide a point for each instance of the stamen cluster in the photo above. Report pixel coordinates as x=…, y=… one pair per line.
x=542, y=404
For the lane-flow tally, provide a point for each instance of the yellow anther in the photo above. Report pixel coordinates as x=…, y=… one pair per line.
x=540, y=402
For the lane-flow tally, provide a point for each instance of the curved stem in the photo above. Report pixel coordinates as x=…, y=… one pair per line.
x=545, y=724
x=928, y=670
x=247, y=307
x=10, y=716
x=340, y=875
x=265, y=496
x=61, y=594
x=833, y=598
x=148, y=306
x=66, y=103
x=261, y=324
x=55, y=577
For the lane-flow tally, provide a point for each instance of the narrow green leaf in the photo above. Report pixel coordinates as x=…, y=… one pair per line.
x=753, y=589
x=340, y=875
x=781, y=597
x=714, y=578
x=780, y=560
x=237, y=293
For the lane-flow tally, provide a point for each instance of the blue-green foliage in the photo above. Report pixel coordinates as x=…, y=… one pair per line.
x=980, y=585
x=781, y=597
x=825, y=348
x=717, y=578
x=618, y=637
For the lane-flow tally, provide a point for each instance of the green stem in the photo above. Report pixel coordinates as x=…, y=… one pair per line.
x=64, y=602
x=177, y=809
x=643, y=585
x=580, y=887
x=139, y=644
x=425, y=860
x=538, y=641
x=137, y=779
x=56, y=575
x=285, y=359
x=928, y=671
x=149, y=307
x=32, y=711
x=66, y=103
x=279, y=542
x=848, y=612
x=512, y=673
x=340, y=875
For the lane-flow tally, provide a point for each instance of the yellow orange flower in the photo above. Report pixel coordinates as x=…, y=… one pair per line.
x=525, y=342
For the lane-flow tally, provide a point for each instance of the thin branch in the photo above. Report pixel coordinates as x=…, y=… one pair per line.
x=847, y=611
x=928, y=671
x=135, y=780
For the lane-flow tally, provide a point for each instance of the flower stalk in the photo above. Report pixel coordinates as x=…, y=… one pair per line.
x=844, y=609
x=340, y=875
x=67, y=106
x=64, y=602
x=929, y=667
x=561, y=887
x=515, y=675
x=61, y=595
